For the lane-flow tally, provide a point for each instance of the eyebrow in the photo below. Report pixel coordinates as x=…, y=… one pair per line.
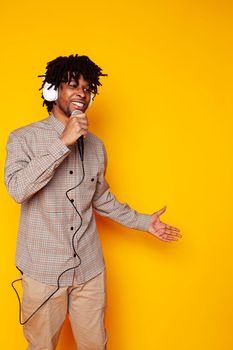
x=85, y=86
x=74, y=81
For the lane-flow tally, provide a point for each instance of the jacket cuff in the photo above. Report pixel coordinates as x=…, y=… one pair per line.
x=57, y=149
x=143, y=222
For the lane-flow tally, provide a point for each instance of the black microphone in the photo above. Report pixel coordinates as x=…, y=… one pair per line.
x=80, y=139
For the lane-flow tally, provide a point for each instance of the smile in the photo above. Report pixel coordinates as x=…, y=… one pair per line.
x=78, y=104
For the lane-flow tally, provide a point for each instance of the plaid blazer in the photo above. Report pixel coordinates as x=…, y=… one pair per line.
x=39, y=171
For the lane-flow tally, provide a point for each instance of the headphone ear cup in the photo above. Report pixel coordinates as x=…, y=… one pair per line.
x=50, y=94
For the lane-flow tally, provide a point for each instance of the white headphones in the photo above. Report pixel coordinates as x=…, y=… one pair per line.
x=51, y=94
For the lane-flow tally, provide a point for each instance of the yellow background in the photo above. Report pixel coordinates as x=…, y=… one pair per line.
x=165, y=115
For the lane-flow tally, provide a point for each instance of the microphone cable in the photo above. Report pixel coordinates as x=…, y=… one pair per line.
x=71, y=268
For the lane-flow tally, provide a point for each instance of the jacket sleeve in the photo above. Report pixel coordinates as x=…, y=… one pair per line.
x=25, y=176
x=106, y=204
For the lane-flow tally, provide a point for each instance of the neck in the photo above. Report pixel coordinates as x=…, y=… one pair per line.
x=60, y=116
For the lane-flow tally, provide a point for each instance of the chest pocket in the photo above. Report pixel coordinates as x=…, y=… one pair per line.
x=87, y=188
x=53, y=198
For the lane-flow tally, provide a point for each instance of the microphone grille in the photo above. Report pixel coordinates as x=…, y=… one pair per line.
x=75, y=112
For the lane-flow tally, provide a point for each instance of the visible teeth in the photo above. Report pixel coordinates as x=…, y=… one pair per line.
x=79, y=104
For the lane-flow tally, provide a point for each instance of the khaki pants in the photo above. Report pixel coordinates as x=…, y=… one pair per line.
x=85, y=304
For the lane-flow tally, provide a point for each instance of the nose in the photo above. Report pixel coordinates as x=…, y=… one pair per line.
x=80, y=92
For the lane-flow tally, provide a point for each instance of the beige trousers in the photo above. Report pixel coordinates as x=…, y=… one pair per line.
x=85, y=304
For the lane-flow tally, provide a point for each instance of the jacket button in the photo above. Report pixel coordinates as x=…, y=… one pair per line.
x=72, y=228
x=92, y=179
x=71, y=171
x=75, y=255
x=72, y=200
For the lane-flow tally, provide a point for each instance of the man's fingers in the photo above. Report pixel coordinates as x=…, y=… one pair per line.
x=80, y=121
x=79, y=116
x=167, y=238
x=85, y=127
x=83, y=132
x=161, y=211
x=172, y=228
x=169, y=231
x=82, y=124
x=170, y=239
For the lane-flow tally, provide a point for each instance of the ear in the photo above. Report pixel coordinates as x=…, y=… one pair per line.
x=91, y=100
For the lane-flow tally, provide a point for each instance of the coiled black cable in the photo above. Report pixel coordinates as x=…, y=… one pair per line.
x=71, y=268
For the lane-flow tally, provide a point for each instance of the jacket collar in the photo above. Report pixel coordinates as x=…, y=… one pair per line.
x=56, y=123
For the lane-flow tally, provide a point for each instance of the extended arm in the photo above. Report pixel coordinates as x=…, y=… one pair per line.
x=106, y=204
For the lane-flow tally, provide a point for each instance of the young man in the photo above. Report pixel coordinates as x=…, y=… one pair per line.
x=58, y=249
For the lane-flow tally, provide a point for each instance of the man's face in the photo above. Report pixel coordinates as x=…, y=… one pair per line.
x=72, y=96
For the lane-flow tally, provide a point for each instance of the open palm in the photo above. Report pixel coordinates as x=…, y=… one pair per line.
x=161, y=230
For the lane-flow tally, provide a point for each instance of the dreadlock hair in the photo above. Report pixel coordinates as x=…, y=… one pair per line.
x=65, y=68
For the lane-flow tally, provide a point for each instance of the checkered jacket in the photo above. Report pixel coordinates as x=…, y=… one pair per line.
x=42, y=174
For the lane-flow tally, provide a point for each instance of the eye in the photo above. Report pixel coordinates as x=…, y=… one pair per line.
x=87, y=89
x=74, y=86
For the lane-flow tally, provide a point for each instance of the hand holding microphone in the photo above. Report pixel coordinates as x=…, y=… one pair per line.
x=75, y=129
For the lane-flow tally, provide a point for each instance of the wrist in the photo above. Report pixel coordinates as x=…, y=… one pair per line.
x=64, y=141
